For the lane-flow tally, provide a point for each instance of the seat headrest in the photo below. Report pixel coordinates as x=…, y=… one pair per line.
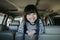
x=14, y=25
x=15, y=22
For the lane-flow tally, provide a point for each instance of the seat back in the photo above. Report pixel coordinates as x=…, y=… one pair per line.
x=14, y=26
x=6, y=36
x=52, y=29
x=51, y=33
x=49, y=37
x=0, y=27
x=18, y=36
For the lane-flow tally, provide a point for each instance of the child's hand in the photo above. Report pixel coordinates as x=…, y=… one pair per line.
x=31, y=32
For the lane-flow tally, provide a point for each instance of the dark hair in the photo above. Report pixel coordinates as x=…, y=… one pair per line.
x=30, y=9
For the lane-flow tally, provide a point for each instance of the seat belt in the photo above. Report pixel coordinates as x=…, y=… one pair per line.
x=24, y=32
x=37, y=26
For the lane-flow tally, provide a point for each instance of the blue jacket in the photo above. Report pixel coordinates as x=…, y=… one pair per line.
x=32, y=27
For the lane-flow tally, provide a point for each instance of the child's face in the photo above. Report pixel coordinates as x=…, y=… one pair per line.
x=31, y=17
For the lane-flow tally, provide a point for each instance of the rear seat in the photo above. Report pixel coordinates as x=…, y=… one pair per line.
x=0, y=27
x=52, y=29
x=9, y=34
x=6, y=36
x=18, y=36
x=51, y=33
x=49, y=37
x=14, y=26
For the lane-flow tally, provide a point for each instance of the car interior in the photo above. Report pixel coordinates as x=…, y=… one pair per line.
x=11, y=15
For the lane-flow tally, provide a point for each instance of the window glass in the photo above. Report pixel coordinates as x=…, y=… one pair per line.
x=1, y=17
x=19, y=19
x=9, y=21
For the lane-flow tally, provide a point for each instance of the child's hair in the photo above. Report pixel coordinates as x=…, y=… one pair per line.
x=30, y=9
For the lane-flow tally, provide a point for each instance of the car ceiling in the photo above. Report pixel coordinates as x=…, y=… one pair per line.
x=16, y=7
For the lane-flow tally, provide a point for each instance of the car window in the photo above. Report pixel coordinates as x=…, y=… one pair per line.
x=1, y=17
x=9, y=20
